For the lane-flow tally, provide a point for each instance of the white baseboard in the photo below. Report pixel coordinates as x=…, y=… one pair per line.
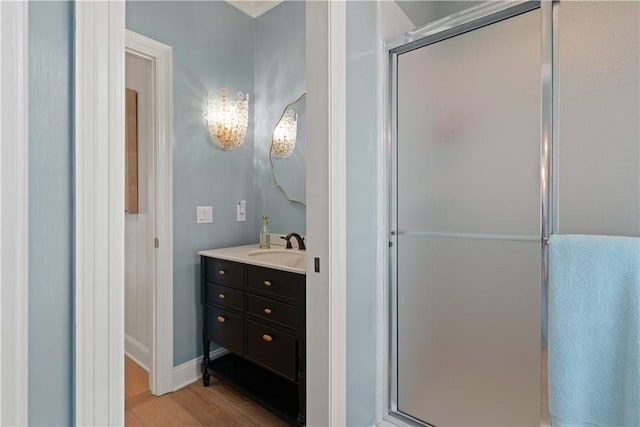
x=189, y=372
x=137, y=352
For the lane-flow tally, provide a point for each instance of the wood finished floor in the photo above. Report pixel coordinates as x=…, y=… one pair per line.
x=217, y=405
x=194, y=405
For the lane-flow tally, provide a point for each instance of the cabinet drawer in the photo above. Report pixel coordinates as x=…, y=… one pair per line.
x=226, y=272
x=278, y=284
x=223, y=295
x=268, y=309
x=271, y=348
x=225, y=329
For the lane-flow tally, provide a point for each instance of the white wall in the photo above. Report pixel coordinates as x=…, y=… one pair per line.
x=392, y=20
x=138, y=228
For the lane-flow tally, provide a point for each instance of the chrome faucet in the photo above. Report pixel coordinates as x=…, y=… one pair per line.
x=299, y=238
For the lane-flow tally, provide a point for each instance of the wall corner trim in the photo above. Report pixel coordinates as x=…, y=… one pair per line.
x=14, y=214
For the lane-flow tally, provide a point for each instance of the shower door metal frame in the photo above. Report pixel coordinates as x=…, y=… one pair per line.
x=467, y=20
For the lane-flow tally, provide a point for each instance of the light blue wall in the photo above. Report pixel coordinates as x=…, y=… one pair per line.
x=361, y=211
x=213, y=47
x=50, y=212
x=280, y=78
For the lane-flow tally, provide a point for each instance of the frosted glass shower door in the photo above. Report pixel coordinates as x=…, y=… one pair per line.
x=467, y=266
x=598, y=155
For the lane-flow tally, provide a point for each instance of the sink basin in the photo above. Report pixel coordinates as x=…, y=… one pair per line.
x=283, y=257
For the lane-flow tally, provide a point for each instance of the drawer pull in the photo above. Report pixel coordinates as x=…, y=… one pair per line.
x=267, y=311
x=267, y=283
x=267, y=337
x=222, y=319
x=221, y=272
x=221, y=296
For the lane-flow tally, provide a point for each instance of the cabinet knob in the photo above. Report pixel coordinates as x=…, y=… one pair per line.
x=221, y=296
x=267, y=283
x=267, y=337
x=267, y=311
x=222, y=319
x=221, y=272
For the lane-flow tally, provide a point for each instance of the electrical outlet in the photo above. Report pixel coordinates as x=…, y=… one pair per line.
x=204, y=214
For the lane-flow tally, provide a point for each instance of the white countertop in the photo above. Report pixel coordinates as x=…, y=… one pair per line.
x=241, y=254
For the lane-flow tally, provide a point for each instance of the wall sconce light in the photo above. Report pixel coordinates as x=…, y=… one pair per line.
x=227, y=120
x=284, y=135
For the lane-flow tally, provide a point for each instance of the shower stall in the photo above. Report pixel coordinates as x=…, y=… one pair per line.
x=508, y=122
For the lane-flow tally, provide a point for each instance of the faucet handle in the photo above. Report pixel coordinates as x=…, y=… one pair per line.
x=288, y=242
x=299, y=238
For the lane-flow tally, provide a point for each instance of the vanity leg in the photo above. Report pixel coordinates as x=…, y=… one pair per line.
x=302, y=385
x=206, y=379
x=302, y=401
x=204, y=367
x=205, y=363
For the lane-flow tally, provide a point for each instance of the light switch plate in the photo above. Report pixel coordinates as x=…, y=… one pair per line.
x=241, y=211
x=204, y=214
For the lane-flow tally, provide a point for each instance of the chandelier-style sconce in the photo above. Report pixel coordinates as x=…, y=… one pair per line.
x=227, y=120
x=284, y=135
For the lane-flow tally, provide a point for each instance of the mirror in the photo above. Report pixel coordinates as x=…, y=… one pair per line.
x=287, y=155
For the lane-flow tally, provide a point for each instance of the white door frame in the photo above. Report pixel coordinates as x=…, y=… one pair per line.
x=337, y=172
x=161, y=206
x=14, y=267
x=99, y=162
x=99, y=212
x=326, y=213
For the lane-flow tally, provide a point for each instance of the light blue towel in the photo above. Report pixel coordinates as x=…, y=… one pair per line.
x=594, y=330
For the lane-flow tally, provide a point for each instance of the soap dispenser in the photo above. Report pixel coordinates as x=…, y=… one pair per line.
x=265, y=237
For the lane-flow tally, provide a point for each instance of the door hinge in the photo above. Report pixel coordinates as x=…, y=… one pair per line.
x=156, y=243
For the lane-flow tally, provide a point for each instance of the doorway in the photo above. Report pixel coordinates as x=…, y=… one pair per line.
x=99, y=161
x=148, y=224
x=139, y=236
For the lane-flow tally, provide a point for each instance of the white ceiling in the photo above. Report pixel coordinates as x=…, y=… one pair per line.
x=254, y=8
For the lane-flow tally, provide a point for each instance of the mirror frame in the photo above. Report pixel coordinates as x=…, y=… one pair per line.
x=273, y=172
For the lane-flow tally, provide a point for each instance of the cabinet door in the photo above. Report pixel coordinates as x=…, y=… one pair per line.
x=274, y=283
x=225, y=296
x=225, y=328
x=226, y=272
x=272, y=348
x=273, y=311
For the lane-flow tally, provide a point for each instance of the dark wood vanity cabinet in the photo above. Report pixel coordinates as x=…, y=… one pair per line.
x=258, y=314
